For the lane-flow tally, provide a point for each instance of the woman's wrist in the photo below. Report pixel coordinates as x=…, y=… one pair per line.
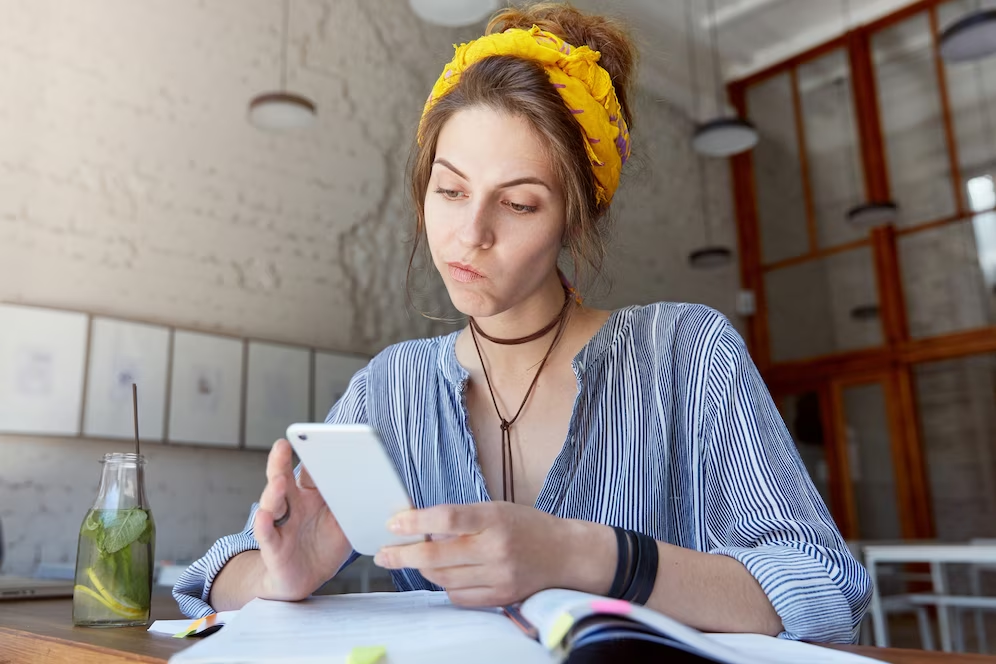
x=587, y=557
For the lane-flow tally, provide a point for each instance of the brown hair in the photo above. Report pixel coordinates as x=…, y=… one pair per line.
x=522, y=88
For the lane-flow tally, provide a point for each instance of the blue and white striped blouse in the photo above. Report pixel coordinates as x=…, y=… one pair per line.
x=673, y=434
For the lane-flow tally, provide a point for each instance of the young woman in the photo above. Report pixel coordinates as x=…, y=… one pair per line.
x=633, y=453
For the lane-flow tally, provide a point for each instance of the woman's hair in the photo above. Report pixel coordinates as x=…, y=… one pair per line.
x=522, y=88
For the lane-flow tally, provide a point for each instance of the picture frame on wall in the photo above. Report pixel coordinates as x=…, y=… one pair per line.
x=333, y=371
x=122, y=353
x=205, y=406
x=278, y=391
x=42, y=367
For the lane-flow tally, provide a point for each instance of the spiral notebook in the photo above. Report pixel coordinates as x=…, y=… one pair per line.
x=424, y=628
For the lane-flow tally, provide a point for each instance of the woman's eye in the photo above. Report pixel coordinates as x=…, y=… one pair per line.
x=451, y=194
x=519, y=208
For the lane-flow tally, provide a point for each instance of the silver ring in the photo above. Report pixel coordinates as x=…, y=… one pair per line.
x=282, y=520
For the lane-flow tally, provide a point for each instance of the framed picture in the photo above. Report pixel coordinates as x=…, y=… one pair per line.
x=42, y=364
x=205, y=389
x=333, y=372
x=278, y=391
x=122, y=353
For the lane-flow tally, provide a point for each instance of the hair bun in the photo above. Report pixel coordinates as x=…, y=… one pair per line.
x=599, y=33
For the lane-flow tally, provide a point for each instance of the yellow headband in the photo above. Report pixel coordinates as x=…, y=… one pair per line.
x=574, y=71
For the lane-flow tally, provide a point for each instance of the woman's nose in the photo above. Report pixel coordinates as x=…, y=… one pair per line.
x=477, y=231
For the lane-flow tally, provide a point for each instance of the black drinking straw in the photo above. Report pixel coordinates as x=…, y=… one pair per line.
x=134, y=402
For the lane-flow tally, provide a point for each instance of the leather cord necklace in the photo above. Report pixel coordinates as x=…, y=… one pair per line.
x=559, y=322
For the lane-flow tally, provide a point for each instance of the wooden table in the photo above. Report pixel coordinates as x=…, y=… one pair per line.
x=41, y=631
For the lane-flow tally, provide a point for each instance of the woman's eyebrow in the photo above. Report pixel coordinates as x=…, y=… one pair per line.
x=505, y=185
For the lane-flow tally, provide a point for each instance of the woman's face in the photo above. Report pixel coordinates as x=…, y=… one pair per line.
x=494, y=211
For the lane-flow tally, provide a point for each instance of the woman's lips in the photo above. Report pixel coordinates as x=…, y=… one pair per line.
x=465, y=274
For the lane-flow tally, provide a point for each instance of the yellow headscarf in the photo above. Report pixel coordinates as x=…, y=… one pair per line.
x=574, y=71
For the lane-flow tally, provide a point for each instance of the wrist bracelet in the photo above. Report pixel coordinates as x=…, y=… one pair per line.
x=636, y=566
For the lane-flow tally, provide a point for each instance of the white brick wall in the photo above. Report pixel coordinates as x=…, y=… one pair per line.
x=131, y=185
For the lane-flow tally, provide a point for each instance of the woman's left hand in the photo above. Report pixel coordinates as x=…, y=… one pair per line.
x=483, y=554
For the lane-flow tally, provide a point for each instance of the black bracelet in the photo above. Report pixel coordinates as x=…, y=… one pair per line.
x=624, y=564
x=645, y=572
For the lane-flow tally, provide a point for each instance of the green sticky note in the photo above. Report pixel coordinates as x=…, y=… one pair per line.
x=366, y=655
x=561, y=626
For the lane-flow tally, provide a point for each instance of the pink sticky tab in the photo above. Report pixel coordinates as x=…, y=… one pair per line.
x=613, y=606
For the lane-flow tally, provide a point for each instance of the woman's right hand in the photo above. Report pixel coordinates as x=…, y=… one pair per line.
x=307, y=550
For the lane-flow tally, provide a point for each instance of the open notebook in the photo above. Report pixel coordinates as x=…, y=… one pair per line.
x=424, y=628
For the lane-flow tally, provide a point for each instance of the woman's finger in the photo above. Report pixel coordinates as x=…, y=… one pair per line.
x=280, y=460
x=450, y=552
x=274, y=497
x=480, y=596
x=443, y=520
x=263, y=529
x=459, y=577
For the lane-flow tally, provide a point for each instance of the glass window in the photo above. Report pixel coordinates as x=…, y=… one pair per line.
x=956, y=402
x=832, y=151
x=823, y=306
x=949, y=272
x=971, y=96
x=912, y=122
x=781, y=205
x=869, y=454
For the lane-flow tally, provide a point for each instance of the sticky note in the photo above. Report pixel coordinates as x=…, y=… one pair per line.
x=613, y=606
x=561, y=626
x=366, y=655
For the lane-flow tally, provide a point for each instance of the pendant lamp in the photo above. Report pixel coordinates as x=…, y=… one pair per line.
x=281, y=110
x=867, y=214
x=723, y=136
x=453, y=13
x=709, y=255
x=972, y=37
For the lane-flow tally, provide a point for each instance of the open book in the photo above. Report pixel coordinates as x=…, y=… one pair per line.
x=424, y=628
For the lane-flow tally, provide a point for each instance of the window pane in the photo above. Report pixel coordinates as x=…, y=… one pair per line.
x=912, y=124
x=957, y=405
x=781, y=206
x=869, y=454
x=832, y=150
x=949, y=275
x=972, y=98
x=823, y=306
x=802, y=416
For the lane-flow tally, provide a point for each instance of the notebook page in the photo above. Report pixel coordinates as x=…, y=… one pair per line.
x=545, y=609
x=415, y=628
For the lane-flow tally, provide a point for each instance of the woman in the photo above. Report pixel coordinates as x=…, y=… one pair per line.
x=678, y=484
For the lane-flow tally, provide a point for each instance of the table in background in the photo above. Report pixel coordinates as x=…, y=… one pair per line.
x=41, y=631
x=936, y=555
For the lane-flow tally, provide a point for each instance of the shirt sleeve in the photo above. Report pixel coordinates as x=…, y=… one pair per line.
x=763, y=510
x=194, y=585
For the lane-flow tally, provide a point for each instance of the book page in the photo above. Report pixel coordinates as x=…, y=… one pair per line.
x=546, y=610
x=415, y=628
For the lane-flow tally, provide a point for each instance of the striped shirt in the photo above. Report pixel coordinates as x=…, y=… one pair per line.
x=673, y=434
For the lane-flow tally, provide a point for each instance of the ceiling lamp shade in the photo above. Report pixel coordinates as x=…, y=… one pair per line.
x=972, y=37
x=453, y=13
x=872, y=215
x=724, y=137
x=708, y=258
x=281, y=111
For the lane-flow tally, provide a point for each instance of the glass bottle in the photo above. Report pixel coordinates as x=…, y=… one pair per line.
x=116, y=554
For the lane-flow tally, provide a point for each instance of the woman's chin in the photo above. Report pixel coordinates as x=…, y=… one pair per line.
x=471, y=302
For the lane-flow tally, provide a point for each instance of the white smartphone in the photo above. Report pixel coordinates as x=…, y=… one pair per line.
x=356, y=478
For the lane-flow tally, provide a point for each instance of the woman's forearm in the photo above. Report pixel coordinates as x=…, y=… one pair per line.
x=238, y=582
x=708, y=592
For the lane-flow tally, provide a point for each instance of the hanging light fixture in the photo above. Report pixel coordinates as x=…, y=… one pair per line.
x=868, y=214
x=709, y=255
x=282, y=110
x=453, y=13
x=972, y=37
x=723, y=136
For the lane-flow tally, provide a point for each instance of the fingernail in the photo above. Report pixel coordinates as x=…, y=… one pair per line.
x=380, y=559
x=395, y=524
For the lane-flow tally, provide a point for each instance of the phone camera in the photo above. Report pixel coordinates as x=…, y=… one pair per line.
x=301, y=436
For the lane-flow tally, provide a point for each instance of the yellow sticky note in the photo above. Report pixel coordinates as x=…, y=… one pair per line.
x=366, y=655
x=561, y=626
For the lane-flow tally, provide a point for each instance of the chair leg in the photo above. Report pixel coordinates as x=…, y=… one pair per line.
x=925, y=628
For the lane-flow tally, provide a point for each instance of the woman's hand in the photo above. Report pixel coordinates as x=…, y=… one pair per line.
x=485, y=554
x=309, y=548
